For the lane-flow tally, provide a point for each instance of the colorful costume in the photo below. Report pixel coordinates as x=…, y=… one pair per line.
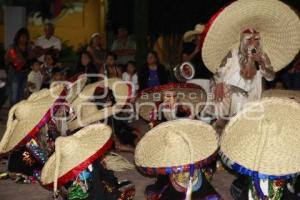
x=26, y=120
x=186, y=100
x=261, y=142
x=33, y=125
x=77, y=166
x=178, y=149
x=265, y=47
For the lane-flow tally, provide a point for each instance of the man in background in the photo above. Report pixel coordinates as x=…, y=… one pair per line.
x=47, y=42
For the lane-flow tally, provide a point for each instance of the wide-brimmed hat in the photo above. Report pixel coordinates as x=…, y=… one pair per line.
x=290, y=94
x=26, y=118
x=277, y=23
x=95, y=34
x=263, y=139
x=176, y=146
x=186, y=92
x=75, y=153
x=76, y=87
x=87, y=111
x=73, y=88
x=189, y=36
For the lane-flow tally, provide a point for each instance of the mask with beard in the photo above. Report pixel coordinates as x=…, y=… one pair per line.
x=249, y=45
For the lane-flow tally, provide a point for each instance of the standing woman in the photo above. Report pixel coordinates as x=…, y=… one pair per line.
x=86, y=66
x=96, y=50
x=17, y=58
x=153, y=73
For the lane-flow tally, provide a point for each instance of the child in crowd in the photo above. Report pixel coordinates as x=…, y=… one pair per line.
x=49, y=64
x=110, y=68
x=35, y=77
x=130, y=75
x=57, y=75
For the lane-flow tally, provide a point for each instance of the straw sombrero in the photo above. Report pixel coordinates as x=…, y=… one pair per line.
x=277, y=23
x=26, y=118
x=186, y=92
x=87, y=111
x=75, y=153
x=189, y=36
x=75, y=88
x=263, y=139
x=291, y=94
x=175, y=146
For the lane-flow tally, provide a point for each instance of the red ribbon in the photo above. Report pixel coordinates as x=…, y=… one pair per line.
x=44, y=120
x=73, y=173
x=208, y=25
x=169, y=86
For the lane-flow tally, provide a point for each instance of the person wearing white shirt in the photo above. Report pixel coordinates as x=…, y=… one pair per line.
x=131, y=76
x=239, y=78
x=35, y=78
x=124, y=47
x=47, y=42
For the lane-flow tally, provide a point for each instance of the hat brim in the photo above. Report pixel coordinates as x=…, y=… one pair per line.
x=96, y=140
x=175, y=145
x=122, y=92
x=277, y=23
x=189, y=93
x=189, y=36
x=76, y=87
x=44, y=103
x=290, y=94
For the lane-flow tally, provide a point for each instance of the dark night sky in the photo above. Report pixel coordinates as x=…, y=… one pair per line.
x=165, y=16
x=174, y=16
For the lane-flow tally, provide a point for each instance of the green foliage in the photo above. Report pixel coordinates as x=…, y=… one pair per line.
x=82, y=48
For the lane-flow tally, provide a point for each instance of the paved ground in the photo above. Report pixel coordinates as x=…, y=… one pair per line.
x=12, y=191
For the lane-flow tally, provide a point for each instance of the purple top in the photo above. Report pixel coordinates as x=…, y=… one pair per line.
x=153, y=78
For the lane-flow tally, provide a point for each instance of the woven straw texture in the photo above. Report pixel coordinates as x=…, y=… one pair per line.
x=265, y=137
x=146, y=101
x=75, y=149
x=25, y=115
x=291, y=94
x=87, y=112
x=189, y=36
x=278, y=25
x=75, y=88
x=176, y=143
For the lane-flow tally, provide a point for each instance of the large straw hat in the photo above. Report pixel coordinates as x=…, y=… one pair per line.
x=75, y=153
x=26, y=118
x=291, y=94
x=186, y=92
x=277, y=23
x=73, y=88
x=174, y=146
x=76, y=87
x=87, y=111
x=264, y=139
x=189, y=36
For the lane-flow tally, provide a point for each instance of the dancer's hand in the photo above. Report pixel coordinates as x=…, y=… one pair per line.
x=219, y=92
